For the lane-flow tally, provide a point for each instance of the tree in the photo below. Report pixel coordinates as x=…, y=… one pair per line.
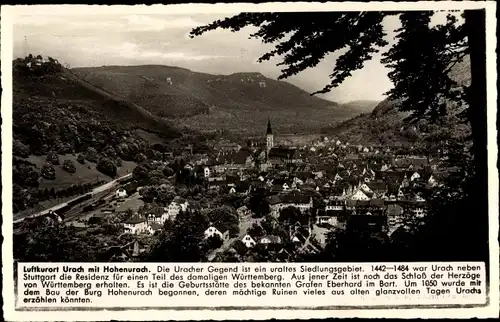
x=225, y=218
x=106, y=166
x=69, y=166
x=91, y=154
x=48, y=171
x=53, y=158
x=42, y=240
x=420, y=62
x=305, y=38
x=184, y=242
x=81, y=159
x=140, y=173
x=140, y=157
x=20, y=149
x=155, y=177
x=258, y=205
x=167, y=171
x=149, y=193
x=290, y=215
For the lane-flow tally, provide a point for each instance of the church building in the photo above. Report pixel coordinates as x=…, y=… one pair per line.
x=278, y=155
x=269, y=136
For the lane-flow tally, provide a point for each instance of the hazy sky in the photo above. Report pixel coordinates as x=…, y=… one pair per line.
x=96, y=40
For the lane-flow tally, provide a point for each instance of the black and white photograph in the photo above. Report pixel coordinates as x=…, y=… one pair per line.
x=260, y=136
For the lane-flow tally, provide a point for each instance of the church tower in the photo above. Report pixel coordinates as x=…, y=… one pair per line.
x=269, y=136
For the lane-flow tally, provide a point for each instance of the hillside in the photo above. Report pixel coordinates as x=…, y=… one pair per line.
x=56, y=113
x=385, y=124
x=207, y=102
x=361, y=106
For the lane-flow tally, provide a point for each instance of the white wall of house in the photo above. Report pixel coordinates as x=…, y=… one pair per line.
x=212, y=231
x=137, y=228
x=359, y=195
x=248, y=241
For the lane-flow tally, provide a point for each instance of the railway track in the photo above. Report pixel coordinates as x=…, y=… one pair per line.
x=74, y=205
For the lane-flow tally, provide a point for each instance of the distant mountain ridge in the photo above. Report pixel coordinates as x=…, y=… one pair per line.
x=361, y=106
x=240, y=102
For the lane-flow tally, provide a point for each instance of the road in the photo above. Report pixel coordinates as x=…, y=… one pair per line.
x=96, y=191
x=244, y=226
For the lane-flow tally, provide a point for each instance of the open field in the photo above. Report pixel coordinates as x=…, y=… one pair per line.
x=85, y=173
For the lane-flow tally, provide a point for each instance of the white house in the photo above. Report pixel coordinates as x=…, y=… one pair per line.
x=212, y=231
x=432, y=181
x=414, y=176
x=334, y=206
x=154, y=227
x=359, y=195
x=206, y=172
x=232, y=190
x=158, y=218
x=266, y=240
x=365, y=187
x=248, y=241
x=121, y=193
x=285, y=187
x=136, y=225
x=301, y=202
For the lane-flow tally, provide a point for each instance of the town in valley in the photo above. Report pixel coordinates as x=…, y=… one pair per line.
x=157, y=163
x=253, y=199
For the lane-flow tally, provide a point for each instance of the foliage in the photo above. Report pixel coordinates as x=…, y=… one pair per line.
x=46, y=241
x=258, y=205
x=420, y=61
x=69, y=166
x=81, y=159
x=183, y=242
x=421, y=77
x=25, y=174
x=48, y=171
x=20, y=149
x=107, y=166
x=91, y=154
x=55, y=112
x=224, y=218
x=53, y=158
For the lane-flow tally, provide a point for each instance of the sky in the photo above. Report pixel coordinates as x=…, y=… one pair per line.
x=136, y=39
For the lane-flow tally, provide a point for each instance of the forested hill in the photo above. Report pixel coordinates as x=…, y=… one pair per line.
x=206, y=102
x=387, y=125
x=59, y=119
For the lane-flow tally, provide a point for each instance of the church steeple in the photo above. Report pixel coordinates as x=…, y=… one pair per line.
x=269, y=130
x=269, y=136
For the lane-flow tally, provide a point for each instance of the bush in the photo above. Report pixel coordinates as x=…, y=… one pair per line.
x=69, y=166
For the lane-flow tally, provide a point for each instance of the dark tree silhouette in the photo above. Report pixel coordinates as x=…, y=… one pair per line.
x=420, y=62
x=422, y=56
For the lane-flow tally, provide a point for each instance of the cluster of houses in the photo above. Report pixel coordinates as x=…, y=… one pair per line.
x=154, y=220
x=331, y=183
x=362, y=181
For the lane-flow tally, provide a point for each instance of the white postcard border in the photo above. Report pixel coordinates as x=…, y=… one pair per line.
x=8, y=17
